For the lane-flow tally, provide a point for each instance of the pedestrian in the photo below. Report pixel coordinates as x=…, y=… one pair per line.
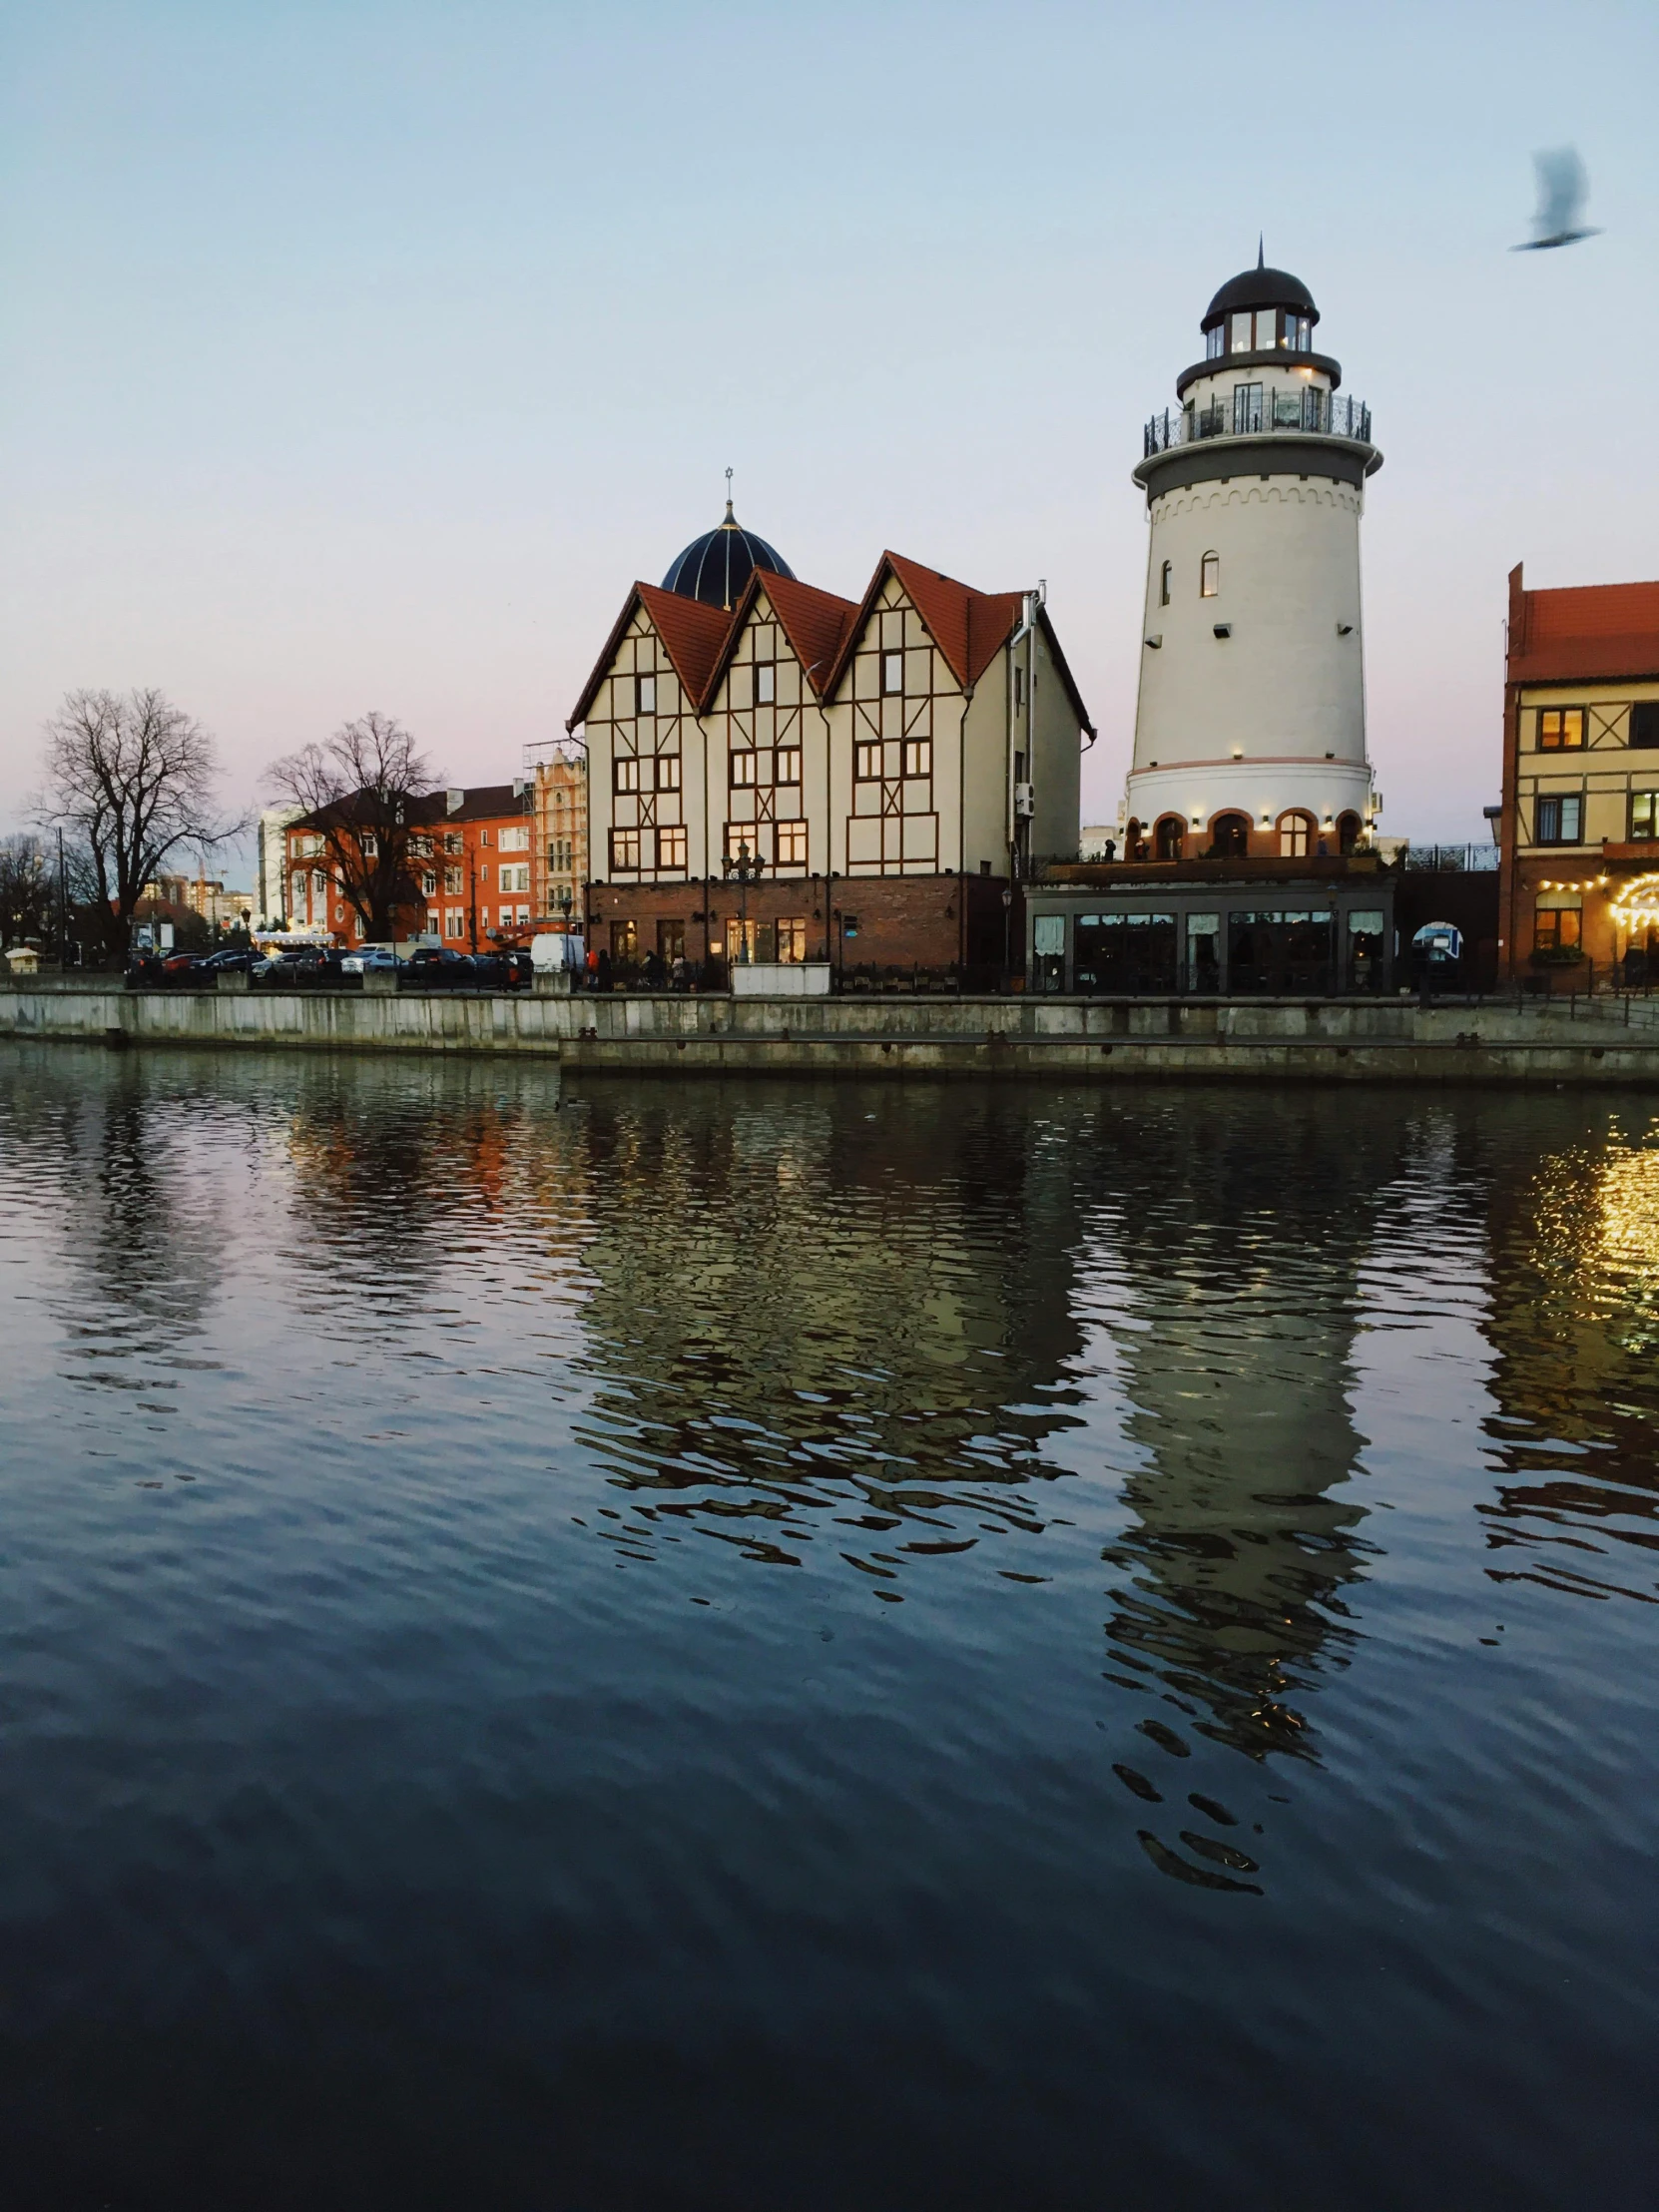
x=602, y=972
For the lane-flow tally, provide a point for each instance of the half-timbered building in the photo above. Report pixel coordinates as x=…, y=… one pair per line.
x=779, y=771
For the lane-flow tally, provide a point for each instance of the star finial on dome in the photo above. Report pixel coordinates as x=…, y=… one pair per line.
x=729, y=516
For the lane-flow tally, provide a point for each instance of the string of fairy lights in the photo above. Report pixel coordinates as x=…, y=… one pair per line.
x=1635, y=905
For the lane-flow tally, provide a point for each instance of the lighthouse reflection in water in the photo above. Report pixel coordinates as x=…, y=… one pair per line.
x=684, y=1644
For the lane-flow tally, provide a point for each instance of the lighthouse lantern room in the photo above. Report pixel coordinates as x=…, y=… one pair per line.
x=1250, y=730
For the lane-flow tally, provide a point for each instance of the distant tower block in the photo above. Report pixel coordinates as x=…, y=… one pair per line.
x=1250, y=732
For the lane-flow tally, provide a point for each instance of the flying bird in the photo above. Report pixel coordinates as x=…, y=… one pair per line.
x=1563, y=187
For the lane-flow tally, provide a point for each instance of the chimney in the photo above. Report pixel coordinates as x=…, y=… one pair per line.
x=455, y=801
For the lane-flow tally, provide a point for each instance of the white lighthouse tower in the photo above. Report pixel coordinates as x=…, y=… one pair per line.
x=1250, y=732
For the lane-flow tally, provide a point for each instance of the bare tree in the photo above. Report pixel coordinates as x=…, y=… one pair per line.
x=134, y=779
x=359, y=793
x=26, y=890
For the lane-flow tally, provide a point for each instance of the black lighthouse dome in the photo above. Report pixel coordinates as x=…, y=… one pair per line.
x=1262, y=287
x=716, y=566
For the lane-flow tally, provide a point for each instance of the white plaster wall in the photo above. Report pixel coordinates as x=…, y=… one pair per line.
x=1286, y=682
x=1324, y=789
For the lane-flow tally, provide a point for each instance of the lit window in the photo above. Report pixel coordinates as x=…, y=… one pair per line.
x=743, y=769
x=1164, y=583
x=1241, y=335
x=740, y=842
x=1560, y=729
x=1304, y=333
x=867, y=764
x=918, y=757
x=788, y=765
x=791, y=938
x=789, y=843
x=766, y=684
x=1554, y=928
x=625, y=850
x=1295, y=838
x=1559, y=820
x=1644, y=814
x=671, y=849
x=1208, y=576
x=892, y=673
x=625, y=773
x=667, y=772
x=645, y=695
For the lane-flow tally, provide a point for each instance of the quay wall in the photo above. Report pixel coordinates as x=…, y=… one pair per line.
x=1328, y=1040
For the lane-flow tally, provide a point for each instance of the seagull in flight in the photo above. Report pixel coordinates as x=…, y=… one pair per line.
x=1563, y=187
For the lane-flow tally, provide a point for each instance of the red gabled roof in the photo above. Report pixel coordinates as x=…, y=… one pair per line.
x=816, y=622
x=969, y=628
x=1588, y=632
x=691, y=633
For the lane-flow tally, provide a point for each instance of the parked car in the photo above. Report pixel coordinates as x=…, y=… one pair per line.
x=309, y=963
x=503, y=971
x=362, y=958
x=233, y=960
x=436, y=967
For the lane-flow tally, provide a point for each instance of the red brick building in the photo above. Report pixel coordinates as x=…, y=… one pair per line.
x=470, y=870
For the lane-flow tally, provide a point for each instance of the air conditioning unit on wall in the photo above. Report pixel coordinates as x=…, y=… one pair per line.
x=1024, y=800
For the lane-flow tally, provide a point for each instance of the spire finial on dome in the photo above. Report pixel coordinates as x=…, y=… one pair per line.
x=1260, y=263
x=731, y=518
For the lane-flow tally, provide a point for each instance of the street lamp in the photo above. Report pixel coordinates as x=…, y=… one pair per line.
x=746, y=871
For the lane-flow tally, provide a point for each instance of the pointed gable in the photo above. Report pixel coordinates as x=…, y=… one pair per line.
x=816, y=622
x=692, y=635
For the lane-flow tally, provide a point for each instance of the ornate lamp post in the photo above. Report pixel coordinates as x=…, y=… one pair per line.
x=746, y=871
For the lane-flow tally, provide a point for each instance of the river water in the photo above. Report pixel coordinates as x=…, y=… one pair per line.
x=772, y=1646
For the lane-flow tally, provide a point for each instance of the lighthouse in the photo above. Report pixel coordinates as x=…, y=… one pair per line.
x=1250, y=728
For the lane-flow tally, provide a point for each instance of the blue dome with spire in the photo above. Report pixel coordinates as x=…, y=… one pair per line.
x=716, y=567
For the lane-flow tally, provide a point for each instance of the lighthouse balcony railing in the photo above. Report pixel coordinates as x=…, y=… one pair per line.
x=1254, y=410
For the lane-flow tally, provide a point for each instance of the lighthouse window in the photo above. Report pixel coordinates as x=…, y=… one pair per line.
x=1242, y=326
x=1208, y=576
x=1267, y=329
x=1163, y=587
x=1303, y=335
x=1215, y=342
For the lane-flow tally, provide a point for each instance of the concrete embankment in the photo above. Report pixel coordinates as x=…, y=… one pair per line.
x=1328, y=1040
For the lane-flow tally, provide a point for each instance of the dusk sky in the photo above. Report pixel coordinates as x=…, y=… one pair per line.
x=360, y=356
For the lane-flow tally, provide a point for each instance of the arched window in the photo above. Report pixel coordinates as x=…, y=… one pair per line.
x=1229, y=837
x=1208, y=576
x=1170, y=836
x=1348, y=833
x=1296, y=837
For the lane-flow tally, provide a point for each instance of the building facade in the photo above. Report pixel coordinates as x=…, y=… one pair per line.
x=778, y=773
x=1579, y=828
x=1249, y=726
x=470, y=855
x=559, y=803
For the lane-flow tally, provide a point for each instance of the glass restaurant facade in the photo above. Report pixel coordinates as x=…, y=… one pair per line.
x=1212, y=940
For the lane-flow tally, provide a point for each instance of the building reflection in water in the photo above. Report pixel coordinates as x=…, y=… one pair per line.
x=1574, y=1323
x=1242, y=1302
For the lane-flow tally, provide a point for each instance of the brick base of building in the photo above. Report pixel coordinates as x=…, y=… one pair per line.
x=942, y=927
